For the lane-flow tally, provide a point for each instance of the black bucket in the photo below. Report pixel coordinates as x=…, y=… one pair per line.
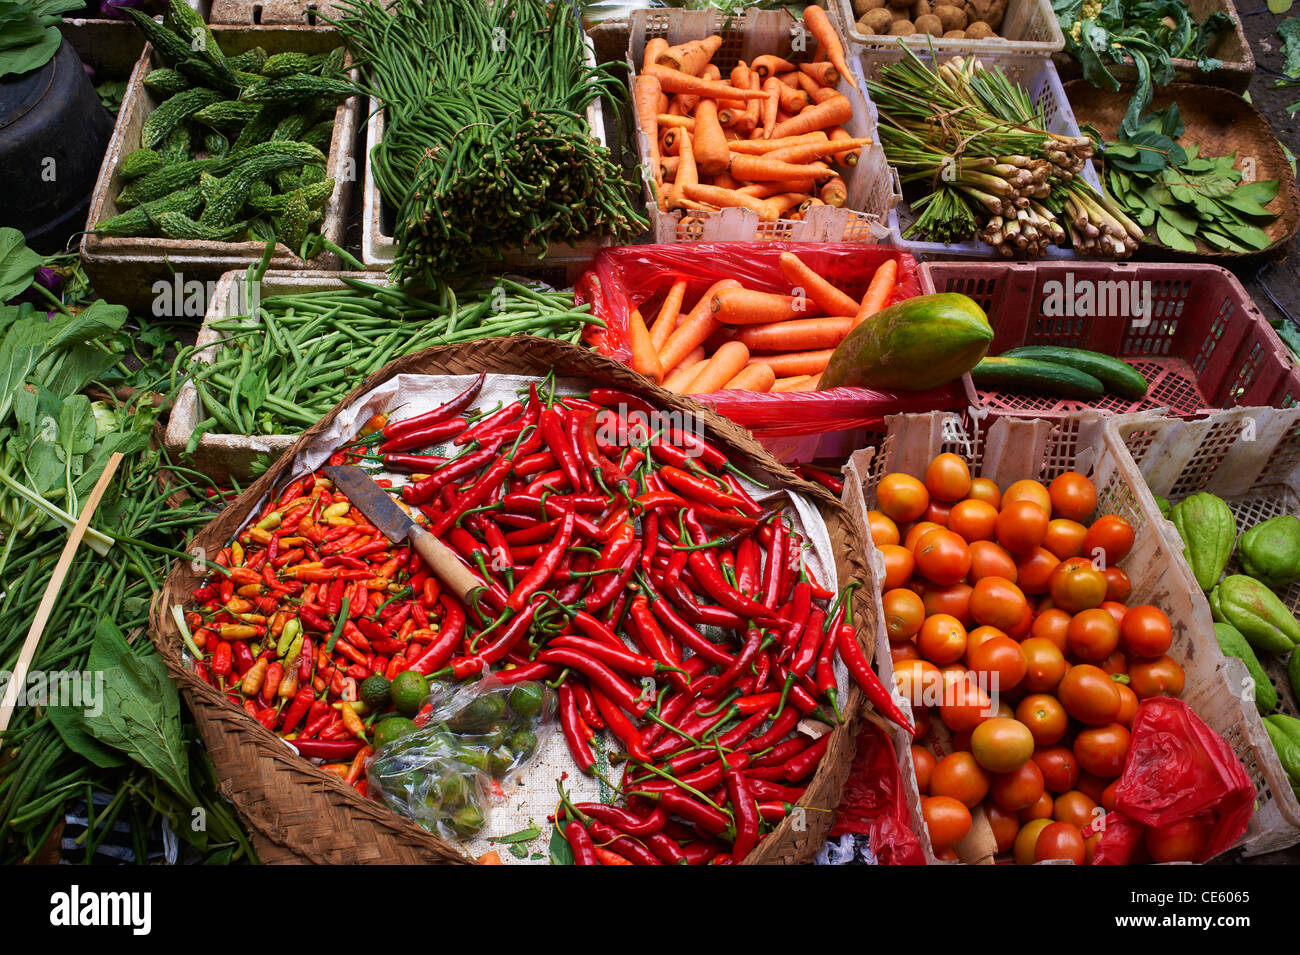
x=53, y=134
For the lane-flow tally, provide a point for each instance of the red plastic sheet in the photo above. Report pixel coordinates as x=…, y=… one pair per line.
x=1177, y=769
x=638, y=277
x=873, y=803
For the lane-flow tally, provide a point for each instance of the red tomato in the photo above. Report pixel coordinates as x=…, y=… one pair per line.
x=937, y=513
x=1021, y=526
x=982, y=489
x=977, y=637
x=918, y=682
x=1060, y=840
x=1094, y=787
x=906, y=650
x=924, y=761
x=902, y=498
x=965, y=706
x=997, y=603
x=1112, y=535
x=942, y=557
x=1118, y=585
x=1034, y=570
x=946, y=819
x=1076, y=808
x=883, y=529
x=1076, y=585
x=1065, y=538
x=1001, y=745
x=1053, y=625
x=1073, y=497
x=1044, y=665
x=1042, y=809
x=899, y=565
x=1128, y=705
x=1116, y=609
x=1027, y=839
x=904, y=613
x=1146, y=632
x=1159, y=677
x=973, y=520
x=947, y=478
x=960, y=776
x=1059, y=768
x=1093, y=635
x=987, y=559
x=1005, y=826
x=1015, y=790
x=1033, y=491
x=1101, y=750
x=1089, y=695
x=942, y=639
x=954, y=600
x=1000, y=658
x=1108, y=796
x=1045, y=717
x=1182, y=841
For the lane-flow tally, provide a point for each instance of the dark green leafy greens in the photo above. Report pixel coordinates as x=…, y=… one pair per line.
x=1184, y=196
x=29, y=32
x=1148, y=34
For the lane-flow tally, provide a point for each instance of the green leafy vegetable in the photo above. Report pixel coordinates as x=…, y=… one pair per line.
x=29, y=32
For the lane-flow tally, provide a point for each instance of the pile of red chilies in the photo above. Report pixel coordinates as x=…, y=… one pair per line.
x=543, y=498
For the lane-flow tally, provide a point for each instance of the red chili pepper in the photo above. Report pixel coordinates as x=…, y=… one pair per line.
x=624, y=820
x=623, y=844
x=571, y=725
x=448, y=639
x=846, y=641
x=601, y=678
x=623, y=660
x=222, y=658
x=780, y=753
x=705, y=817
x=691, y=611
x=717, y=587
x=423, y=437
x=584, y=851
x=483, y=488
x=801, y=766
x=587, y=707
x=493, y=421
x=596, y=630
x=614, y=397
x=611, y=585
x=781, y=726
x=541, y=571
x=526, y=671
x=805, y=656
x=329, y=750
x=744, y=660
x=623, y=728
x=748, y=578
x=515, y=630
x=421, y=492
x=745, y=810
x=534, y=464
x=555, y=434
x=653, y=641
x=697, y=489
x=297, y=709
x=450, y=409
x=701, y=852
x=763, y=789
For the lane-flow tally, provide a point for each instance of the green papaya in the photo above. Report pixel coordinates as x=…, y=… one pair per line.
x=1208, y=530
x=1284, y=734
x=920, y=343
x=1257, y=612
x=1233, y=644
x=1270, y=551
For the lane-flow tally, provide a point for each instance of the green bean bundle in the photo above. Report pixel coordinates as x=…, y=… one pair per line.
x=282, y=369
x=486, y=144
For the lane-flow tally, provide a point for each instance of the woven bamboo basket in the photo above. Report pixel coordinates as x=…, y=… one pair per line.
x=297, y=813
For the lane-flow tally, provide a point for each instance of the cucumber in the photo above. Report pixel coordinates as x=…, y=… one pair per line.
x=1118, y=377
x=1026, y=374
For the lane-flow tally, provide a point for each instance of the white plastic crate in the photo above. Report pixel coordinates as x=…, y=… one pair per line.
x=1029, y=26
x=1039, y=78
x=1011, y=448
x=377, y=251
x=872, y=186
x=1250, y=457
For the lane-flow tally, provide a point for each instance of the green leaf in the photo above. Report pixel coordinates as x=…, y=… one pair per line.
x=523, y=835
x=1246, y=205
x=1289, y=31
x=1170, y=236
x=560, y=850
x=1179, y=220
x=25, y=59
x=17, y=264
x=1252, y=236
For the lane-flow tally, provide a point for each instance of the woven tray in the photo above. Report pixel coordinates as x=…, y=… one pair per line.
x=1220, y=123
x=297, y=813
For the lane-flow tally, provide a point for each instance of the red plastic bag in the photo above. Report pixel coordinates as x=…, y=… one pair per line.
x=638, y=277
x=1177, y=769
x=873, y=803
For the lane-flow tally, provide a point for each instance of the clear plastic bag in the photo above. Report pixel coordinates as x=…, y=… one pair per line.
x=474, y=737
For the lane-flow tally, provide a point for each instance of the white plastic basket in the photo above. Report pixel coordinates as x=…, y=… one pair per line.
x=1029, y=26
x=1010, y=448
x=377, y=250
x=1039, y=78
x=1251, y=458
x=872, y=186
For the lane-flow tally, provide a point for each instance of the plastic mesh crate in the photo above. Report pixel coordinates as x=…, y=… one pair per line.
x=1038, y=77
x=1029, y=26
x=872, y=185
x=1251, y=458
x=1010, y=447
x=1204, y=345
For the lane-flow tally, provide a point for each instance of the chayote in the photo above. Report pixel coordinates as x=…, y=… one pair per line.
x=1270, y=551
x=1233, y=644
x=1257, y=612
x=1209, y=531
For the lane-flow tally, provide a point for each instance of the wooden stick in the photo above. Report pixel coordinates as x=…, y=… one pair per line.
x=43, y=612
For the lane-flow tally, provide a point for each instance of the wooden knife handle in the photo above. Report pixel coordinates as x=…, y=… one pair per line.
x=447, y=565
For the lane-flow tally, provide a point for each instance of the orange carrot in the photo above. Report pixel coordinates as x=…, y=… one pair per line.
x=723, y=365
x=828, y=298
x=849, y=157
x=772, y=105
x=725, y=181
x=796, y=362
x=687, y=174
x=822, y=93
x=878, y=292
x=813, y=383
x=790, y=79
x=675, y=122
x=690, y=57
x=645, y=92
x=694, y=328
x=808, y=152
x=823, y=73
x=786, y=384
x=667, y=321
x=811, y=86
x=769, y=65
x=653, y=49
x=835, y=192
x=764, y=190
x=836, y=111
x=681, y=379
x=645, y=360
x=798, y=334
x=730, y=198
x=792, y=101
x=741, y=306
x=675, y=81
x=766, y=169
x=708, y=143
x=670, y=141
x=752, y=378
x=760, y=147
x=754, y=108
x=815, y=19
x=786, y=201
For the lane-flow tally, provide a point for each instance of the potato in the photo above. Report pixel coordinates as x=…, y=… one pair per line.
x=876, y=22
x=930, y=24
x=901, y=28
x=955, y=35
x=901, y=4
x=990, y=11
x=861, y=7
x=896, y=15
x=952, y=17
x=979, y=30
x=920, y=9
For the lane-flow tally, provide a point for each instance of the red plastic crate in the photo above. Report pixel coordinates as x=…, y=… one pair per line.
x=1204, y=346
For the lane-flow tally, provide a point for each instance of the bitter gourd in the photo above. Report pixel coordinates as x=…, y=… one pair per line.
x=165, y=81
x=174, y=111
x=176, y=225
x=138, y=221
x=295, y=89
x=139, y=162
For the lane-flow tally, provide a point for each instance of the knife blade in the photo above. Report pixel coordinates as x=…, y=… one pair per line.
x=395, y=524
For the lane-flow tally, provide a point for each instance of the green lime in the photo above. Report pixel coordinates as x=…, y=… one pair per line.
x=375, y=692
x=481, y=713
x=500, y=760
x=467, y=820
x=476, y=756
x=523, y=743
x=390, y=729
x=409, y=691
x=526, y=699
